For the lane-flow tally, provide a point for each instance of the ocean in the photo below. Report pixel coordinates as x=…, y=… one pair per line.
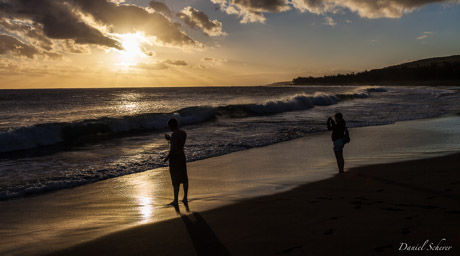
x=61, y=138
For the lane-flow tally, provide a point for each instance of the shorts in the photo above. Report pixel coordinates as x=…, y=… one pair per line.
x=338, y=144
x=178, y=169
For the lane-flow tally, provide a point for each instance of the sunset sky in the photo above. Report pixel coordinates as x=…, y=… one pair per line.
x=102, y=43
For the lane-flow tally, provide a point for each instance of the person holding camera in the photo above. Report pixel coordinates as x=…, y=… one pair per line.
x=340, y=137
x=177, y=161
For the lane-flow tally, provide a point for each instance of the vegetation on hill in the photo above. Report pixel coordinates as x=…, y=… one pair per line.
x=441, y=69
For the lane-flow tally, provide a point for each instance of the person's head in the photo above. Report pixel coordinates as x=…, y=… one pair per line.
x=338, y=116
x=172, y=123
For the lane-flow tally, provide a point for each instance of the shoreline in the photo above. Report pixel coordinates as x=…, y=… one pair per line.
x=59, y=147
x=381, y=209
x=454, y=83
x=58, y=220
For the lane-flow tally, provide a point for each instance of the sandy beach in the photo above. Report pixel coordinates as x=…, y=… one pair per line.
x=229, y=127
x=400, y=208
x=250, y=203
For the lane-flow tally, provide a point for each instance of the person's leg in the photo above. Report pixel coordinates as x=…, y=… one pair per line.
x=185, y=192
x=176, y=195
x=340, y=160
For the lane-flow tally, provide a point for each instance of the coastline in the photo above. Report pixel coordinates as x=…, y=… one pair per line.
x=454, y=83
x=54, y=221
x=387, y=209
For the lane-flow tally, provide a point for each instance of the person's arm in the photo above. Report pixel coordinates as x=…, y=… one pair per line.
x=174, y=141
x=169, y=139
x=330, y=124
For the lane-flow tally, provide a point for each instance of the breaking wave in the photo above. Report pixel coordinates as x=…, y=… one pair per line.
x=87, y=130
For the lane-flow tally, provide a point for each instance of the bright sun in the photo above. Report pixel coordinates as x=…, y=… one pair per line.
x=132, y=52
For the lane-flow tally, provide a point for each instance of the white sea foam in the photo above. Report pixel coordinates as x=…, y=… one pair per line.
x=234, y=127
x=54, y=133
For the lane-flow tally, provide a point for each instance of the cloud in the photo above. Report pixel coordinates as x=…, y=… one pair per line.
x=27, y=30
x=54, y=27
x=16, y=47
x=175, y=62
x=161, y=8
x=31, y=34
x=253, y=10
x=329, y=21
x=195, y=18
x=425, y=35
x=57, y=20
x=208, y=62
x=161, y=65
x=131, y=18
x=371, y=9
x=263, y=5
x=214, y=60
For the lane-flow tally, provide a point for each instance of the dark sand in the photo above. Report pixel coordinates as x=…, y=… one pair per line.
x=368, y=210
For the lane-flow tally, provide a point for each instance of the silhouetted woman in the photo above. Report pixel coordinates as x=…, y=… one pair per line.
x=177, y=161
x=339, y=137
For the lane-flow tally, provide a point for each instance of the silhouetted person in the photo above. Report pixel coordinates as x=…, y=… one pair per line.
x=339, y=137
x=177, y=161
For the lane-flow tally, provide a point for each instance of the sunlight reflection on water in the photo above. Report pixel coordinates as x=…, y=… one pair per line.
x=144, y=192
x=145, y=208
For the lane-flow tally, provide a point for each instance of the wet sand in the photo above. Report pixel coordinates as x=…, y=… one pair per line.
x=372, y=210
x=50, y=222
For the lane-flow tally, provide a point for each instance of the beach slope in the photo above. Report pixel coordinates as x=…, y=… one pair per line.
x=404, y=208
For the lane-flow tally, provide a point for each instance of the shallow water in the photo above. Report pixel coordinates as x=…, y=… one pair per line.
x=218, y=121
x=60, y=219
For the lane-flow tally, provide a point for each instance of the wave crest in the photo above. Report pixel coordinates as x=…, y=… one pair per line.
x=88, y=130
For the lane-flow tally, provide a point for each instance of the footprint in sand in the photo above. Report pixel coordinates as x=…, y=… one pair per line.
x=428, y=207
x=382, y=248
x=393, y=209
x=411, y=217
x=357, y=204
x=329, y=232
x=405, y=231
x=289, y=250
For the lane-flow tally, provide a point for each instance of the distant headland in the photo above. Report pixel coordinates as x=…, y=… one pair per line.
x=432, y=71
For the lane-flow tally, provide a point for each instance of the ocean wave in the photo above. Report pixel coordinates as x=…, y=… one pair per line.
x=88, y=130
x=55, y=183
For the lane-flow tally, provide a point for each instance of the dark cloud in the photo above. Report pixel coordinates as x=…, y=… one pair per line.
x=16, y=47
x=48, y=23
x=253, y=10
x=29, y=31
x=161, y=8
x=367, y=9
x=263, y=5
x=131, y=18
x=58, y=20
x=195, y=18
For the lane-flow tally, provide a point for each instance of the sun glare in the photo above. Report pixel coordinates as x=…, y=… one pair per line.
x=132, y=52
